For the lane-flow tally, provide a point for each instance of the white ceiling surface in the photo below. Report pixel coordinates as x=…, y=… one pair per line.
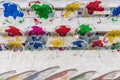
x=100, y=61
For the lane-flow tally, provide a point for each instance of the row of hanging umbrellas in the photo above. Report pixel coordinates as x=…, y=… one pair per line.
x=42, y=9
x=47, y=74
x=63, y=37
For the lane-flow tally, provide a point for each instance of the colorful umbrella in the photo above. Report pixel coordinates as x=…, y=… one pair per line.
x=64, y=75
x=21, y=76
x=5, y=75
x=84, y=76
x=108, y=76
x=41, y=75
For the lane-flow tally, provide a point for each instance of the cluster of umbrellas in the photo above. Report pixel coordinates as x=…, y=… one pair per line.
x=44, y=11
x=63, y=37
